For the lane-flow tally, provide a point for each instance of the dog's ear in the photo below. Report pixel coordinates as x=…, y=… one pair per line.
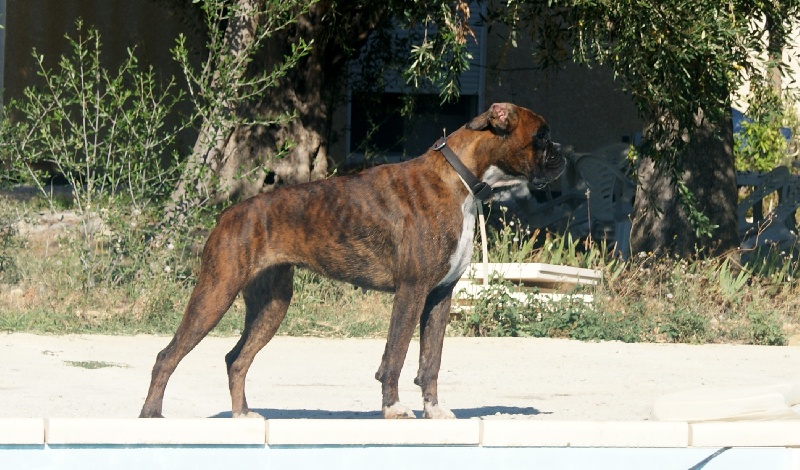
x=497, y=117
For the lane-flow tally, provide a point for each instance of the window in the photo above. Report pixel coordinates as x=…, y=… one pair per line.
x=378, y=132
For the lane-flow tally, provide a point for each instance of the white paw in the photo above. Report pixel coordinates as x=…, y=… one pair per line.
x=398, y=411
x=437, y=412
x=248, y=414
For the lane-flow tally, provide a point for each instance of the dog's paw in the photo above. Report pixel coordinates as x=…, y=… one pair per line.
x=437, y=412
x=398, y=411
x=248, y=414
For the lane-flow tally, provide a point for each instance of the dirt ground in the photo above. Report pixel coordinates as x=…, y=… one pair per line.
x=108, y=376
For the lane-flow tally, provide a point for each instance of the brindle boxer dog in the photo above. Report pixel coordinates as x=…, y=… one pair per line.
x=405, y=228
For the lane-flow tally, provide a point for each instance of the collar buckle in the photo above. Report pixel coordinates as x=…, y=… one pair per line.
x=482, y=191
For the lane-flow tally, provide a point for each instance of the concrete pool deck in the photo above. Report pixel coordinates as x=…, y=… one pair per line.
x=68, y=400
x=96, y=376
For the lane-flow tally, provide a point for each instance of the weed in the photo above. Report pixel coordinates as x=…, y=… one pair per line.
x=642, y=299
x=322, y=307
x=648, y=299
x=682, y=325
x=766, y=328
x=9, y=242
x=731, y=283
x=495, y=313
x=95, y=364
x=510, y=242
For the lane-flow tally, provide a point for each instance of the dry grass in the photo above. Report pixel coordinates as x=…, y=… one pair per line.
x=43, y=289
x=704, y=301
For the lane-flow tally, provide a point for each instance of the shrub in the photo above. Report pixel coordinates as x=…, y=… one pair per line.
x=761, y=144
x=106, y=133
x=765, y=328
x=9, y=242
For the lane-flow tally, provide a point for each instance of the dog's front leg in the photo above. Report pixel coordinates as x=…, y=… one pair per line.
x=432, y=327
x=406, y=312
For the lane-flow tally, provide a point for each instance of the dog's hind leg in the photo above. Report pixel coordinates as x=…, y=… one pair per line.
x=432, y=327
x=406, y=312
x=266, y=298
x=210, y=299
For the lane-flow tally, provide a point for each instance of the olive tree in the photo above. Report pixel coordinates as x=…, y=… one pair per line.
x=680, y=60
x=273, y=72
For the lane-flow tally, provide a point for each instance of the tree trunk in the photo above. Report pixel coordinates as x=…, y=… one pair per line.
x=296, y=151
x=775, y=43
x=246, y=160
x=258, y=158
x=710, y=175
x=242, y=157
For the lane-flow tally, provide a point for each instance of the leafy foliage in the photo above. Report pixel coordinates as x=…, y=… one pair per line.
x=9, y=242
x=223, y=91
x=106, y=133
x=441, y=54
x=761, y=145
x=679, y=59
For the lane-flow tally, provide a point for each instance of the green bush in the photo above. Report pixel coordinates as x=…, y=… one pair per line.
x=106, y=133
x=495, y=312
x=760, y=145
x=9, y=243
x=684, y=325
x=765, y=328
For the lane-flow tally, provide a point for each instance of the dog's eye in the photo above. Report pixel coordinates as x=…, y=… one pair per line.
x=543, y=133
x=542, y=138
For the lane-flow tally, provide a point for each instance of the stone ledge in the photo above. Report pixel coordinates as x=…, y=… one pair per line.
x=746, y=434
x=530, y=433
x=22, y=431
x=201, y=431
x=342, y=432
x=373, y=432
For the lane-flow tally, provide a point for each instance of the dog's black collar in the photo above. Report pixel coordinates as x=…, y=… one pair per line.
x=479, y=189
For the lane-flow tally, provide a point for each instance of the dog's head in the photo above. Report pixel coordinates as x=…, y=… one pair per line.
x=524, y=152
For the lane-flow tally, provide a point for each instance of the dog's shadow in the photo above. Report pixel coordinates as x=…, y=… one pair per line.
x=464, y=413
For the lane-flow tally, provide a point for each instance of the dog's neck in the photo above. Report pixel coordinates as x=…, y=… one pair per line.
x=468, y=154
x=480, y=189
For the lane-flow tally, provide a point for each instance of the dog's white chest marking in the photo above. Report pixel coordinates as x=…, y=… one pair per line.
x=461, y=257
x=497, y=178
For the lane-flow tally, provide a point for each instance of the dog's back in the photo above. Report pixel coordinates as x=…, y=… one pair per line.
x=368, y=229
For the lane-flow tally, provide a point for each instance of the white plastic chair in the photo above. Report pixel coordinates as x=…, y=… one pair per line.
x=763, y=185
x=777, y=228
x=606, y=213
